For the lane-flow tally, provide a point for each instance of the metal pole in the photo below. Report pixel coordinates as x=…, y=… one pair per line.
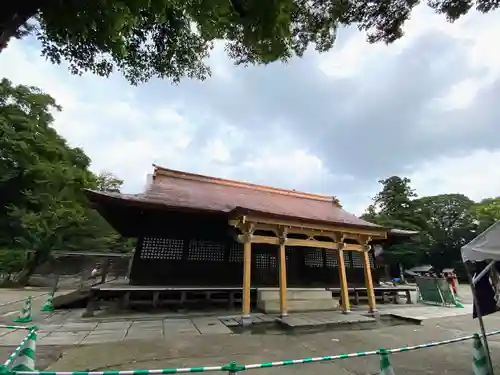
x=479, y=317
x=486, y=270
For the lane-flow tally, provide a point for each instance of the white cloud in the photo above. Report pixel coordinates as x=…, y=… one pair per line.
x=475, y=174
x=123, y=135
x=477, y=31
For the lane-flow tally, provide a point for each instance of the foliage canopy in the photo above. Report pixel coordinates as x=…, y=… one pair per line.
x=171, y=38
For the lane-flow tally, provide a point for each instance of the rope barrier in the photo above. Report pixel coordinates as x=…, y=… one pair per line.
x=233, y=367
x=16, y=327
x=22, y=299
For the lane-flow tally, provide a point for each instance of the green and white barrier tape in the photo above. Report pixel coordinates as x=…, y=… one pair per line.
x=233, y=367
x=29, y=328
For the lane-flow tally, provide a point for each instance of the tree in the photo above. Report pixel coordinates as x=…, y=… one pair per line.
x=171, y=39
x=486, y=212
x=449, y=223
x=108, y=182
x=42, y=178
x=394, y=207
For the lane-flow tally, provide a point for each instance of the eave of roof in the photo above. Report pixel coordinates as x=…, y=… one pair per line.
x=181, y=190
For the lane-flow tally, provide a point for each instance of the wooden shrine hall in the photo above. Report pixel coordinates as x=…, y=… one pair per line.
x=196, y=230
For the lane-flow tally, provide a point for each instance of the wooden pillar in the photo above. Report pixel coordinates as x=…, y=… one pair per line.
x=369, y=280
x=344, y=291
x=282, y=275
x=247, y=267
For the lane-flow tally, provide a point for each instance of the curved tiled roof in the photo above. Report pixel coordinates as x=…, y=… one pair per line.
x=177, y=189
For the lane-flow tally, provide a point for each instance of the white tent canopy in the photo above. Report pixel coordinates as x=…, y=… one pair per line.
x=486, y=246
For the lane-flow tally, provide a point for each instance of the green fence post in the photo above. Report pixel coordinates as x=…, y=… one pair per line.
x=385, y=363
x=25, y=316
x=479, y=358
x=233, y=368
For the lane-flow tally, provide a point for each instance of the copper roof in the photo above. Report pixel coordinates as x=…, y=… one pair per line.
x=178, y=189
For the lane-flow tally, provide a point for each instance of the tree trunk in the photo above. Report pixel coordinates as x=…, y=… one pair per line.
x=31, y=264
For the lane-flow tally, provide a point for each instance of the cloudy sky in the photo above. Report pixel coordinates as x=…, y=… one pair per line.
x=334, y=123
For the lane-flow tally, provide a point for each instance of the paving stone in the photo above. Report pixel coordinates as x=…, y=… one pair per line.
x=429, y=312
x=75, y=327
x=97, y=337
x=42, y=333
x=64, y=338
x=5, y=331
x=178, y=323
x=108, y=332
x=210, y=326
x=14, y=337
x=144, y=335
x=113, y=326
x=173, y=327
x=145, y=332
x=147, y=323
x=50, y=327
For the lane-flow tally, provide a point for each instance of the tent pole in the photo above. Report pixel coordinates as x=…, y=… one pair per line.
x=479, y=317
x=486, y=270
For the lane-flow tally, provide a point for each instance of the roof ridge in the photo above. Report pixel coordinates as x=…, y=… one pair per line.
x=160, y=171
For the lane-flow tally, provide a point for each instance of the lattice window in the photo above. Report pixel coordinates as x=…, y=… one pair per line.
x=332, y=258
x=347, y=259
x=357, y=260
x=236, y=253
x=313, y=258
x=261, y=261
x=162, y=248
x=371, y=257
x=272, y=262
x=206, y=251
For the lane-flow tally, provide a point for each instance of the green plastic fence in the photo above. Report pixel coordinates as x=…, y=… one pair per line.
x=436, y=291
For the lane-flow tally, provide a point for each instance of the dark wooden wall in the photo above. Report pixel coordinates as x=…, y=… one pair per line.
x=187, y=249
x=204, y=253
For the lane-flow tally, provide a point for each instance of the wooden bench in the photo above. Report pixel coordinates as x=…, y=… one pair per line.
x=382, y=294
x=123, y=297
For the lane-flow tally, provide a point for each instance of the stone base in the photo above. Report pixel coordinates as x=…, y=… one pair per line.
x=246, y=321
x=298, y=300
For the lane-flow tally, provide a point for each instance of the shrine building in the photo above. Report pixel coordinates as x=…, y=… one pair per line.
x=200, y=231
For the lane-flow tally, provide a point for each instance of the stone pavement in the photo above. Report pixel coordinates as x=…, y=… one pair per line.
x=205, y=350
x=68, y=328
x=427, y=312
x=81, y=333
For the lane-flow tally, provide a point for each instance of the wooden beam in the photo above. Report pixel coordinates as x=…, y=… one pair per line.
x=282, y=274
x=353, y=247
x=302, y=243
x=380, y=233
x=344, y=291
x=369, y=280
